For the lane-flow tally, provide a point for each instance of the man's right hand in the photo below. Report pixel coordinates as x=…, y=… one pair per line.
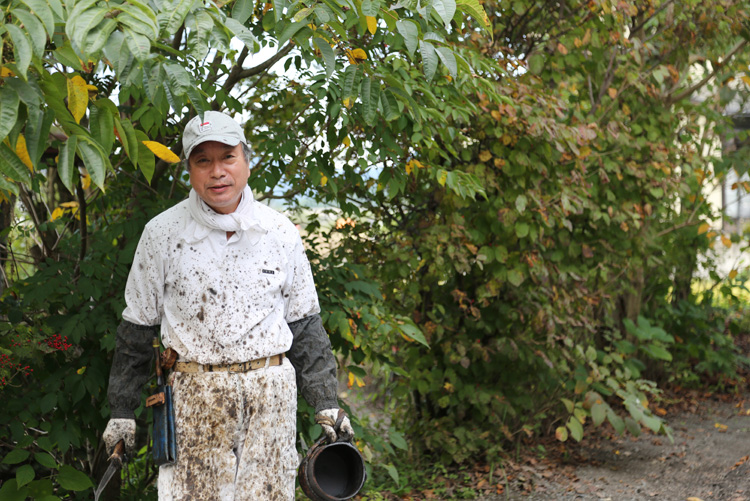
x=120, y=429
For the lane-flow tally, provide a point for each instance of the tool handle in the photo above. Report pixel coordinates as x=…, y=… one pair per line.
x=118, y=452
x=159, y=377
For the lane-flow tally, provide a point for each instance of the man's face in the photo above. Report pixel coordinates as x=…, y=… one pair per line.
x=218, y=174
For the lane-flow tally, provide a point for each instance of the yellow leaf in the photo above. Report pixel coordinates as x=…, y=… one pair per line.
x=86, y=181
x=562, y=49
x=347, y=141
x=703, y=228
x=693, y=498
x=732, y=274
x=612, y=92
x=81, y=370
x=69, y=205
x=485, y=156
x=711, y=234
x=323, y=180
x=448, y=387
x=720, y=427
x=347, y=102
x=350, y=383
x=746, y=79
x=496, y=115
x=626, y=109
x=57, y=214
x=372, y=24
x=5, y=72
x=409, y=166
x=584, y=152
x=162, y=151
x=725, y=240
x=356, y=56
x=23, y=153
x=442, y=178
x=78, y=97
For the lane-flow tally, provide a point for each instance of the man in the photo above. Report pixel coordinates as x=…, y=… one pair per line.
x=225, y=281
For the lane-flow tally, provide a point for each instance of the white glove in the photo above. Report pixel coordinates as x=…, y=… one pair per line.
x=327, y=419
x=120, y=429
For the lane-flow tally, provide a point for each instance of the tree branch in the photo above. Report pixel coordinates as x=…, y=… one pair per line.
x=687, y=92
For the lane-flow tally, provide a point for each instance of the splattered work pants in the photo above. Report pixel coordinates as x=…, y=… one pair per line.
x=235, y=436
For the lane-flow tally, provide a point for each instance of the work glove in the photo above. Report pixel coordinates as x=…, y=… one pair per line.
x=336, y=425
x=120, y=429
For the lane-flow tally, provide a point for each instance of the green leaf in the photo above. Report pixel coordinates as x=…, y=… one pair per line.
x=146, y=161
x=43, y=12
x=16, y=456
x=429, y=59
x=172, y=16
x=657, y=352
x=102, y=124
x=389, y=106
x=278, y=9
x=98, y=37
x=351, y=78
x=408, y=29
x=449, y=60
x=445, y=9
x=38, y=126
x=243, y=34
x=66, y=168
x=652, y=422
x=46, y=460
x=94, y=159
x=128, y=139
x=398, y=441
x=242, y=10
x=598, y=413
x=521, y=202
x=475, y=10
x=616, y=421
x=326, y=51
x=522, y=229
x=412, y=331
x=576, y=429
x=370, y=8
x=370, y=97
x=21, y=48
x=515, y=277
x=289, y=32
x=11, y=492
x=139, y=45
x=73, y=480
x=633, y=427
x=24, y=475
x=8, y=110
x=29, y=92
x=140, y=18
x=12, y=166
x=393, y=472
x=35, y=30
x=179, y=78
x=536, y=63
x=78, y=28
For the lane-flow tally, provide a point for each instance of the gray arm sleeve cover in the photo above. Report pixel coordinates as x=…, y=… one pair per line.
x=131, y=367
x=313, y=360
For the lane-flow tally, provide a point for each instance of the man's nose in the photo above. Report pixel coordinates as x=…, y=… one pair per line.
x=217, y=169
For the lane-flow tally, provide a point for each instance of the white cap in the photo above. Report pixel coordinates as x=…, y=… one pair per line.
x=215, y=126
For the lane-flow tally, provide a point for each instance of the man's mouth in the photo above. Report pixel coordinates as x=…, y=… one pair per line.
x=219, y=188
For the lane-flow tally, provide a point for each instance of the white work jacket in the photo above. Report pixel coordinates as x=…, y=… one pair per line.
x=221, y=301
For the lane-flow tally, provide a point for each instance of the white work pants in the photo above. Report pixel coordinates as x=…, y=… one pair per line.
x=235, y=436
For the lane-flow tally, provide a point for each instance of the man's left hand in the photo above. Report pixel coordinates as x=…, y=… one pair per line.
x=336, y=425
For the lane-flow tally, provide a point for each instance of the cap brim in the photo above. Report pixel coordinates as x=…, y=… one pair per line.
x=229, y=141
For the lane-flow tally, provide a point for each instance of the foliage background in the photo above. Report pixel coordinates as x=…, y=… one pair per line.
x=504, y=203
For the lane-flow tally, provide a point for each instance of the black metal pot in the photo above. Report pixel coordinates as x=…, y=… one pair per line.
x=332, y=471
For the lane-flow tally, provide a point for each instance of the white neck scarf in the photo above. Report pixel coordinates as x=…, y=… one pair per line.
x=238, y=221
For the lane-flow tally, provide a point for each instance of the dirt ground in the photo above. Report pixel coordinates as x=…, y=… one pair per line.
x=708, y=460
